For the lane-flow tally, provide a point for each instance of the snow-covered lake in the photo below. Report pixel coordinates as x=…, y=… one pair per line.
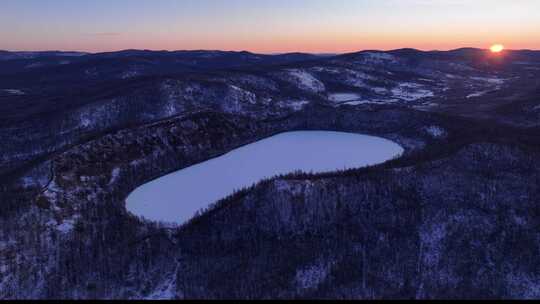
x=176, y=197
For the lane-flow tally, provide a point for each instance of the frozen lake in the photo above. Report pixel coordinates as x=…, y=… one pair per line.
x=176, y=197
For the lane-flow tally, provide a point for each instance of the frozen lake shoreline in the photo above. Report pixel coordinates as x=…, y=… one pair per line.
x=177, y=196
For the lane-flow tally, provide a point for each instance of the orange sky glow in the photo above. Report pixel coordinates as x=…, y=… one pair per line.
x=268, y=26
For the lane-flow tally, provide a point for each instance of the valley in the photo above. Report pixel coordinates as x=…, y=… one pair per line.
x=455, y=214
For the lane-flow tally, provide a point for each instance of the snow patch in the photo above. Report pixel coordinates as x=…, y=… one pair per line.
x=378, y=57
x=371, y=101
x=85, y=122
x=380, y=91
x=298, y=105
x=210, y=55
x=34, y=65
x=66, y=226
x=523, y=284
x=91, y=72
x=353, y=99
x=295, y=105
x=343, y=97
x=411, y=91
x=306, y=81
x=255, y=81
x=460, y=67
x=432, y=238
x=27, y=182
x=14, y=91
x=312, y=276
x=436, y=131
x=115, y=174
x=166, y=290
x=350, y=77
x=129, y=74
x=236, y=98
x=51, y=191
x=490, y=80
x=294, y=188
x=245, y=95
x=477, y=94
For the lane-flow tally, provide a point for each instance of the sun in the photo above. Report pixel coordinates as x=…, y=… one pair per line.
x=497, y=48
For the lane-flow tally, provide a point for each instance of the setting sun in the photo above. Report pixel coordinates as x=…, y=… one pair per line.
x=497, y=48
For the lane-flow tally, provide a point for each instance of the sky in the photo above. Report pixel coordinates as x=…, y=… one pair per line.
x=267, y=26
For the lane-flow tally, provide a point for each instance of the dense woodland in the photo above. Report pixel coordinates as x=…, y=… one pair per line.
x=456, y=216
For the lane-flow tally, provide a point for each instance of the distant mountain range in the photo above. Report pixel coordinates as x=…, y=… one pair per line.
x=7, y=55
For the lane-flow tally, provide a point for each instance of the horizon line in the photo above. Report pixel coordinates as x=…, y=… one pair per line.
x=253, y=52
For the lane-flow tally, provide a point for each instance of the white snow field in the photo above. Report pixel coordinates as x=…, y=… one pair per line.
x=344, y=97
x=176, y=197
